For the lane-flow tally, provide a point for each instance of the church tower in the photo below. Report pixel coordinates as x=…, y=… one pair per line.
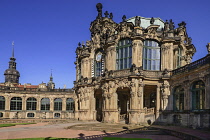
x=51, y=84
x=11, y=74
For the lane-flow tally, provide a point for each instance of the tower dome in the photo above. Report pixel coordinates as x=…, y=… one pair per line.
x=11, y=74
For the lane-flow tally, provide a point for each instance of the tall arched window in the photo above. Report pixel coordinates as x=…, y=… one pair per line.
x=151, y=55
x=45, y=104
x=2, y=103
x=198, y=95
x=124, y=54
x=70, y=104
x=58, y=104
x=16, y=103
x=99, y=64
x=178, y=98
x=31, y=103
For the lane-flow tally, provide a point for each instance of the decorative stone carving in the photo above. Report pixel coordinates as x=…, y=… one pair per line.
x=105, y=87
x=166, y=26
x=99, y=9
x=139, y=93
x=208, y=48
x=171, y=25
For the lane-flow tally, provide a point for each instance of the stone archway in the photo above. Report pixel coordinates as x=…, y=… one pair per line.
x=123, y=103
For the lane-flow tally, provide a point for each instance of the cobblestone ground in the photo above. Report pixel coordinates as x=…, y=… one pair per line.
x=82, y=130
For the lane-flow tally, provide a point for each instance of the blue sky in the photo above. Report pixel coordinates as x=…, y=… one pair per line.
x=46, y=32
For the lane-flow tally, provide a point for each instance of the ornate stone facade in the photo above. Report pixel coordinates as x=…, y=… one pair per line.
x=143, y=59
x=137, y=71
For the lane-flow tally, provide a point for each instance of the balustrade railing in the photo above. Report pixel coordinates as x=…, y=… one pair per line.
x=7, y=89
x=193, y=65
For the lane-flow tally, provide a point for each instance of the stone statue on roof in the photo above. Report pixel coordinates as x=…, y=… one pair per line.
x=137, y=21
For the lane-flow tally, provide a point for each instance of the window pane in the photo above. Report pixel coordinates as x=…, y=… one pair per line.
x=151, y=55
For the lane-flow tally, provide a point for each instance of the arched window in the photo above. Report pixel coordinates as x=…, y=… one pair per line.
x=178, y=98
x=30, y=115
x=58, y=104
x=99, y=64
x=57, y=115
x=124, y=54
x=16, y=103
x=69, y=104
x=31, y=103
x=2, y=103
x=151, y=55
x=198, y=95
x=45, y=104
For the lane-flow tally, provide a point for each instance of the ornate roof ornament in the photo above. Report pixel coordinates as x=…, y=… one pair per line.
x=99, y=7
x=208, y=48
x=111, y=16
x=137, y=21
x=152, y=20
x=124, y=18
x=106, y=14
x=166, y=26
x=182, y=24
x=171, y=25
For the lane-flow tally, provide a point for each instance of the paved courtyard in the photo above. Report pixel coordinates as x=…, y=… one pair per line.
x=82, y=130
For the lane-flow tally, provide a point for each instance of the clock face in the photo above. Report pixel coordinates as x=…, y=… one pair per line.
x=98, y=57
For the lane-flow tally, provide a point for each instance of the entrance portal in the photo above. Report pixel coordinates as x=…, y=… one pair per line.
x=123, y=103
x=150, y=96
x=98, y=104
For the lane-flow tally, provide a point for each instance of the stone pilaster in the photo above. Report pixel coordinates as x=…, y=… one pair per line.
x=158, y=101
x=24, y=102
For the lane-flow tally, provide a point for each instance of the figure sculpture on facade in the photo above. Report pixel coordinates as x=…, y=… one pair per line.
x=111, y=16
x=208, y=48
x=124, y=18
x=171, y=25
x=152, y=20
x=137, y=21
x=166, y=26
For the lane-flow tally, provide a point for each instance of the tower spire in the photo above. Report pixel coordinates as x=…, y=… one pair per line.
x=11, y=74
x=51, y=77
x=13, y=51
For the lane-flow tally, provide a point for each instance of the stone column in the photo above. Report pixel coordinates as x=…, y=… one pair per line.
x=24, y=102
x=76, y=113
x=7, y=102
x=51, y=104
x=38, y=103
x=63, y=104
x=158, y=101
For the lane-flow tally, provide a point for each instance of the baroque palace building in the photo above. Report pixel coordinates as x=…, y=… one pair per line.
x=137, y=71
x=41, y=101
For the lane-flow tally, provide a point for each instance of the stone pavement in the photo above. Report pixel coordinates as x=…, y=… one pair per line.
x=196, y=134
x=82, y=130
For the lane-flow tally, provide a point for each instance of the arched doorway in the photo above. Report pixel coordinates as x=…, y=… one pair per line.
x=123, y=103
x=98, y=104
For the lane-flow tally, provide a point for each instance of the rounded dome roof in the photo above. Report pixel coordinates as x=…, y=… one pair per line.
x=11, y=72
